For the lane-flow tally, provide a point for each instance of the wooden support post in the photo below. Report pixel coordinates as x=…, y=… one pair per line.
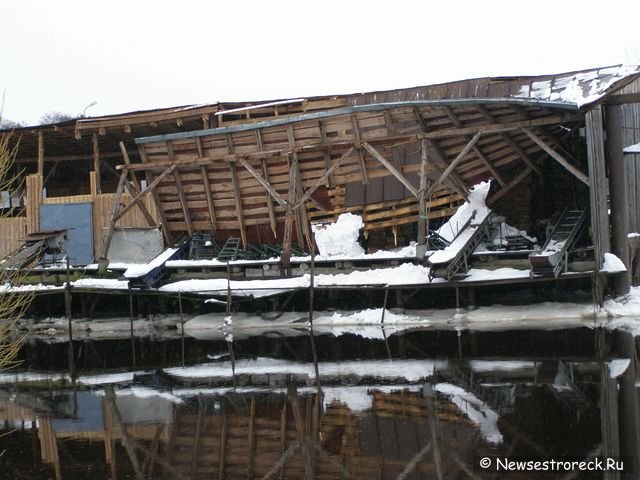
x=423, y=225
x=362, y=161
x=183, y=201
x=597, y=186
x=262, y=181
x=137, y=188
x=557, y=157
x=40, y=152
x=303, y=215
x=453, y=164
x=512, y=183
x=163, y=218
x=34, y=199
x=238, y=199
x=207, y=190
x=326, y=154
x=324, y=177
x=456, y=121
x=106, y=241
x=150, y=188
x=273, y=221
x=619, y=203
x=285, y=259
x=391, y=168
x=96, y=162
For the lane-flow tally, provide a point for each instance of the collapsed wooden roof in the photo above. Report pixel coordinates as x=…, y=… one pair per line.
x=259, y=163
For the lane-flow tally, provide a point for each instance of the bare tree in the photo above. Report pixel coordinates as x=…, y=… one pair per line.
x=15, y=298
x=55, y=117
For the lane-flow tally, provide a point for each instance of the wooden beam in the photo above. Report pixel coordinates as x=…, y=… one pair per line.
x=183, y=202
x=557, y=157
x=476, y=149
x=285, y=258
x=265, y=184
x=391, y=168
x=238, y=199
x=40, y=152
x=308, y=454
x=361, y=160
x=422, y=205
x=515, y=181
x=453, y=164
x=196, y=442
x=273, y=220
x=106, y=242
x=324, y=177
x=96, y=162
x=50, y=174
x=326, y=155
x=137, y=188
x=207, y=190
x=507, y=138
x=440, y=158
x=144, y=192
x=166, y=231
x=304, y=227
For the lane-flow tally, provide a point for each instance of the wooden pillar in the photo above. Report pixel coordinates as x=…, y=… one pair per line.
x=34, y=199
x=423, y=221
x=285, y=259
x=40, y=152
x=618, y=196
x=597, y=191
x=96, y=161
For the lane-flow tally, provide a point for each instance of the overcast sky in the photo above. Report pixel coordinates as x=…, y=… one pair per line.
x=135, y=54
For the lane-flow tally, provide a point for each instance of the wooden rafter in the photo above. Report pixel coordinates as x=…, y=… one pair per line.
x=106, y=242
x=265, y=184
x=391, y=168
x=137, y=188
x=557, y=157
x=509, y=140
x=326, y=155
x=361, y=160
x=476, y=149
x=325, y=176
x=96, y=161
x=509, y=186
x=207, y=184
x=183, y=201
x=238, y=201
x=273, y=221
x=453, y=164
x=440, y=157
x=144, y=192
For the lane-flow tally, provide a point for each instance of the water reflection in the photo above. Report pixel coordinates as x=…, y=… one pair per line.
x=410, y=403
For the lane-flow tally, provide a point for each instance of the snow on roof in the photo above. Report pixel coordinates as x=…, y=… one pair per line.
x=579, y=88
x=632, y=148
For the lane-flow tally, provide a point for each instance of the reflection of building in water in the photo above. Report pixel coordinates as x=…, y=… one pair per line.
x=362, y=431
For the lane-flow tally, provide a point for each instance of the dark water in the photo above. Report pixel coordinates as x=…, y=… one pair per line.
x=419, y=404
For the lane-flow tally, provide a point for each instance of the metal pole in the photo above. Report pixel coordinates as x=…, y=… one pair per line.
x=181, y=323
x=133, y=343
x=67, y=308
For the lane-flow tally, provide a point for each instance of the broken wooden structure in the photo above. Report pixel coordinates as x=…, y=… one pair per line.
x=263, y=171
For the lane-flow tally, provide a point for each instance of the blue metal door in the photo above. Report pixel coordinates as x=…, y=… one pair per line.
x=77, y=218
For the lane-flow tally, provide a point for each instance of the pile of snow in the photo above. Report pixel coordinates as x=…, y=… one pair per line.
x=632, y=148
x=136, y=271
x=625, y=306
x=612, y=264
x=475, y=204
x=339, y=238
x=473, y=211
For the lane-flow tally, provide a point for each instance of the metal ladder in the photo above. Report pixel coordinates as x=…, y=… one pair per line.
x=567, y=229
x=230, y=250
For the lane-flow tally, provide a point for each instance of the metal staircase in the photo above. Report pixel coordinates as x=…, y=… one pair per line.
x=554, y=257
x=230, y=250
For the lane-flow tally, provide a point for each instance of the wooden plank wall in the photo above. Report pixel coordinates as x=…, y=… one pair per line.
x=13, y=230
x=631, y=136
x=33, y=201
x=102, y=205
